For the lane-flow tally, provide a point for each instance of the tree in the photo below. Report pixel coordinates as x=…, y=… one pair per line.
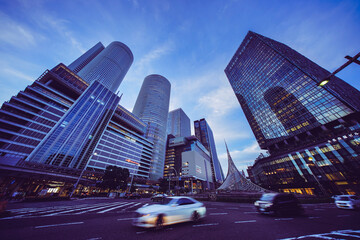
x=163, y=184
x=115, y=178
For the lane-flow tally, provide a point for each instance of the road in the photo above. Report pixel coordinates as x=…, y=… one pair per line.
x=99, y=219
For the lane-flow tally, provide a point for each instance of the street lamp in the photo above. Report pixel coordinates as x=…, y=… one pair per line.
x=132, y=176
x=176, y=175
x=350, y=60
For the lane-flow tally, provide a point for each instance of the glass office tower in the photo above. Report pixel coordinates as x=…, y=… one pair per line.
x=204, y=133
x=109, y=67
x=310, y=132
x=178, y=123
x=277, y=89
x=152, y=107
x=84, y=59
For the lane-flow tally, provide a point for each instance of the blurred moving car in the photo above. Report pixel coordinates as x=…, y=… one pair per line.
x=347, y=202
x=158, y=197
x=279, y=204
x=172, y=210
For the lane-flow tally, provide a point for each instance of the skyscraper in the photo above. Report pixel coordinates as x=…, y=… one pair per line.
x=61, y=125
x=311, y=132
x=109, y=66
x=277, y=89
x=72, y=141
x=204, y=133
x=152, y=107
x=178, y=123
x=84, y=59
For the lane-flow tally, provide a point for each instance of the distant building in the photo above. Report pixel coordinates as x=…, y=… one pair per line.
x=204, y=133
x=178, y=123
x=188, y=159
x=311, y=132
x=152, y=107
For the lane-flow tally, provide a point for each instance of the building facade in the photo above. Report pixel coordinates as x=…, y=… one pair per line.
x=204, y=133
x=152, y=107
x=304, y=127
x=188, y=160
x=178, y=123
x=62, y=124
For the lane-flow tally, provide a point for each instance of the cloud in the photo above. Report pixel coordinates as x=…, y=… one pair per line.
x=149, y=58
x=15, y=33
x=18, y=74
x=220, y=101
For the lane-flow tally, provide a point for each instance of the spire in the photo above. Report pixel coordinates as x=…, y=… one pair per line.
x=236, y=181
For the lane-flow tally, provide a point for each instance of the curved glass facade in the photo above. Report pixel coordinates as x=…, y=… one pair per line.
x=152, y=107
x=109, y=66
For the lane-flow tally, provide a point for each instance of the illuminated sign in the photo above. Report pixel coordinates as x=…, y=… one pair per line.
x=131, y=161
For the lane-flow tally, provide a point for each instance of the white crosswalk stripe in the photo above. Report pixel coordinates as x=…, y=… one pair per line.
x=334, y=235
x=74, y=209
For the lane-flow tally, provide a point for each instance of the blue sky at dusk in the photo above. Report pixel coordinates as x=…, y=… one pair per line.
x=188, y=42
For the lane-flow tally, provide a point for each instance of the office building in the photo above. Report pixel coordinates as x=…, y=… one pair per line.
x=204, y=133
x=178, y=123
x=62, y=124
x=188, y=160
x=310, y=132
x=84, y=59
x=152, y=107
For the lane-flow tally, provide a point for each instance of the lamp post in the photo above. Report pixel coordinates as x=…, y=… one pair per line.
x=350, y=60
x=176, y=175
x=132, y=175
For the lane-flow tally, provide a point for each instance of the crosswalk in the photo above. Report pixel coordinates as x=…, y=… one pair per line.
x=334, y=235
x=99, y=208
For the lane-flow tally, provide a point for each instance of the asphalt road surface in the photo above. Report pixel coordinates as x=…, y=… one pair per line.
x=99, y=219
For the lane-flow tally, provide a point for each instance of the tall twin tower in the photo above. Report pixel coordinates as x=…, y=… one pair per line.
x=84, y=128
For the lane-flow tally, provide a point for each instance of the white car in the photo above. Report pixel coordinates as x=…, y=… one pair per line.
x=172, y=210
x=347, y=202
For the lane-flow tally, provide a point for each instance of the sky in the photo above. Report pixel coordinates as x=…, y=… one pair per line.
x=188, y=42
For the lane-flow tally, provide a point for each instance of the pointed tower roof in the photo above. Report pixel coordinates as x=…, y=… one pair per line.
x=235, y=181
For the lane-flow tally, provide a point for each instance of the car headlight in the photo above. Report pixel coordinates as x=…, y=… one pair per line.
x=268, y=205
x=256, y=203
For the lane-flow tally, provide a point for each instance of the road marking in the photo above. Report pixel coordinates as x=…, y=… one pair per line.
x=232, y=208
x=211, y=208
x=314, y=217
x=283, y=219
x=249, y=212
x=204, y=225
x=248, y=221
x=106, y=210
x=131, y=206
x=141, y=232
x=218, y=213
x=124, y=219
x=323, y=235
x=77, y=209
x=61, y=224
x=98, y=238
x=343, y=215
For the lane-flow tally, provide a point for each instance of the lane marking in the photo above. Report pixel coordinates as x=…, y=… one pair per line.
x=124, y=219
x=98, y=238
x=74, y=210
x=60, y=224
x=283, y=219
x=218, y=213
x=204, y=225
x=248, y=221
x=313, y=217
x=343, y=215
x=249, y=212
